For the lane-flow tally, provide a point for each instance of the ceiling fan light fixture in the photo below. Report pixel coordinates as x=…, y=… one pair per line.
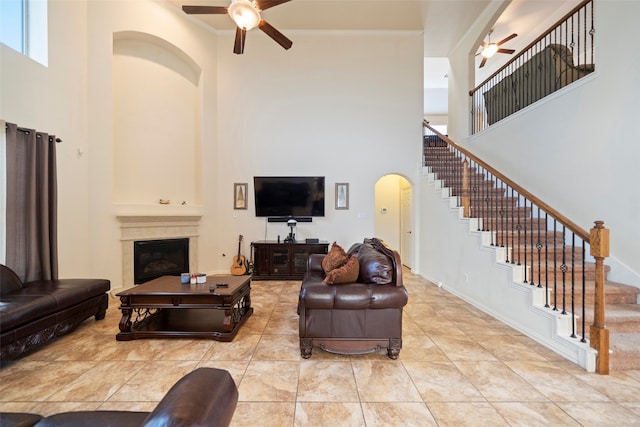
x=490, y=50
x=245, y=14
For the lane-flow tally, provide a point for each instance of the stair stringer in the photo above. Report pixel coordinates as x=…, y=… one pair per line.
x=464, y=258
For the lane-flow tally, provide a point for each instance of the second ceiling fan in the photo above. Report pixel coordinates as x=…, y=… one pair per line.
x=489, y=49
x=246, y=15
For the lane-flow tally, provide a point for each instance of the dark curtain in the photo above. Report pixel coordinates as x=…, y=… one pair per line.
x=31, y=232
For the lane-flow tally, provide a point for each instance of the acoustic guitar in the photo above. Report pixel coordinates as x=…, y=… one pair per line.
x=239, y=266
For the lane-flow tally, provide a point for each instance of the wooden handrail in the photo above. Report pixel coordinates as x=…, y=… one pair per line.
x=533, y=43
x=597, y=238
x=582, y=233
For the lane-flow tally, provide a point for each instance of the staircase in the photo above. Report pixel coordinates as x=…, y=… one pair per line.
x=541, y=246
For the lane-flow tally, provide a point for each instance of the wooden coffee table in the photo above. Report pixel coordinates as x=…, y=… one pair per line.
x=164, y=307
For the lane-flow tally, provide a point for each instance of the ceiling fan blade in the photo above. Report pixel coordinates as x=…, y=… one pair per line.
x=238, y=44
x=275, y=34
x=506, y=39
x=215, y=10
x=484, y=61
x=509, y=51
x=266, y=4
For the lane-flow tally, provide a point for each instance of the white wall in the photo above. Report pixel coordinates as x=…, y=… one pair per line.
x=343, y=105
x=577, y=150
x=53, y=99
x=347, y=106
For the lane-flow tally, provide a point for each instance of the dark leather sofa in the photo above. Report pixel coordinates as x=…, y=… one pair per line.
x=203, y=397
x=35, y=312
x=359, y=317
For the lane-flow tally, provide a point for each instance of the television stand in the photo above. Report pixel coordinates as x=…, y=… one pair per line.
x=283, y=261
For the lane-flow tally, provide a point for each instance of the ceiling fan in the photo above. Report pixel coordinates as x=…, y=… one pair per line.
x=489, y=49
x=246, y=15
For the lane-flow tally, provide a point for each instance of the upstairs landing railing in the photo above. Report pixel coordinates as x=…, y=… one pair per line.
x=549, y=245
x=559, y=57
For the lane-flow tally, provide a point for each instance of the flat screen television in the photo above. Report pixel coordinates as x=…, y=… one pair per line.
x=289, y=196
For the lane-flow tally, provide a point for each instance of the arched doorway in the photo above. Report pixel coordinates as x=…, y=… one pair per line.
x=393, y=214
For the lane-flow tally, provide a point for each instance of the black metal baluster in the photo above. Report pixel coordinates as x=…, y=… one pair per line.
x=573, y=284
x=496, y=214
x=519, y=215
x=578, y=42
x=481, y=199
x=591, y=33
x=524, y=240
x=563, y=268
x=555, y=267
x=475, y=195
x=546, y=260
x=500, y=221
x=512, y=228
x=539, y=247
x=584, y=293
x=532, y=246
x=490, y=208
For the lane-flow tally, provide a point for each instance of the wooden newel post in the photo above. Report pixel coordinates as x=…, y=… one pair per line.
x=466, y=204
x=599, y=334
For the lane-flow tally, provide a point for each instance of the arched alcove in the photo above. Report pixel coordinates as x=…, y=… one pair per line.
x=393, y=214
x=157, y=116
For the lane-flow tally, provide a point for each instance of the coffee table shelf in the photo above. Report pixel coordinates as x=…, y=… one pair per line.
x=164, y=308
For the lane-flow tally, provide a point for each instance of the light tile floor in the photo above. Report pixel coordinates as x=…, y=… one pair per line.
x=458, y=367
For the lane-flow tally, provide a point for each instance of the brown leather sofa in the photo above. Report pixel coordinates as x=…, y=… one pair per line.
x=203, y=397
x=358, y=317
x=35, y=312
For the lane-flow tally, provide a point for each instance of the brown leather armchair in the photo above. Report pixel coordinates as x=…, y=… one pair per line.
x=203, y=397
x=359, y=317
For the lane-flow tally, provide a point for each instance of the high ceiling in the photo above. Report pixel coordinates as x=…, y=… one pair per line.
x=443, y=21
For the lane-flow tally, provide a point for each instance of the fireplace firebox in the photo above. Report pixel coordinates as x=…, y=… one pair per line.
x=155, y=258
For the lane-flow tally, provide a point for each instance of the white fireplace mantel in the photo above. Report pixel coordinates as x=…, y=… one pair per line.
x=155, y=227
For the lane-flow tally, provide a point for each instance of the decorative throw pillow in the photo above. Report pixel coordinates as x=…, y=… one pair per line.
x=334, y=259
x=348, y=273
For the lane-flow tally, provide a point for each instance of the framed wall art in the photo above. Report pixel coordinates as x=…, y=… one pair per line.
x=342, y=195
x=240, y=195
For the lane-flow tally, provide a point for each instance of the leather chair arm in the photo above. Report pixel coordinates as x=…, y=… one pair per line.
x=314, y=262
x=204, y=397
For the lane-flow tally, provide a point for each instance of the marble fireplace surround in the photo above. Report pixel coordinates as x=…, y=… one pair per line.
x=156, y=227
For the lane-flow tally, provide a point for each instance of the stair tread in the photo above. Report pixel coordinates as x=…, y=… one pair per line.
x=625, y=341
x=621, y=311
x=625, y=351
x=611, y=288
x=617, y=312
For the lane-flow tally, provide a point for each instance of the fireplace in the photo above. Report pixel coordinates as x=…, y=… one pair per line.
x=155, y=258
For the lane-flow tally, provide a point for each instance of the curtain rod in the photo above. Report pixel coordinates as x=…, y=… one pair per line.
x=28, y=131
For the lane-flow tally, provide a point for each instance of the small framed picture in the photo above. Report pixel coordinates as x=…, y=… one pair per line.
x=240, y=195
x=342, y=195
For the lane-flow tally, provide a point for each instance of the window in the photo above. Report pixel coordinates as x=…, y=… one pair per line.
x=23, y=27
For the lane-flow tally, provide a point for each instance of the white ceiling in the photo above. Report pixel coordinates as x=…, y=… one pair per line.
x=444, y=22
